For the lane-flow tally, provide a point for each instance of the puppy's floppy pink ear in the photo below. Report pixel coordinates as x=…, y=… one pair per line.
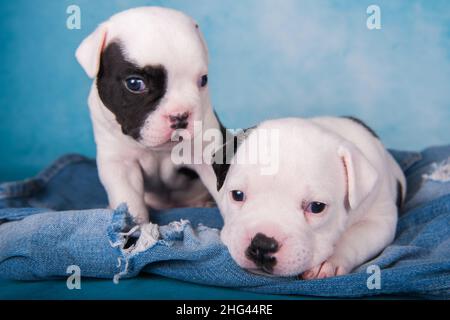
x=361, y=175
x=89, y=51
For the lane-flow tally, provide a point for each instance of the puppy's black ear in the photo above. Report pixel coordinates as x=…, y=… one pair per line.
x=221, y=162
x=221, y=171
x=223, y=157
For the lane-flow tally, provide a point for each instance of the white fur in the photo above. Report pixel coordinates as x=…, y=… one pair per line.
x=321, y=159
x=149, y=36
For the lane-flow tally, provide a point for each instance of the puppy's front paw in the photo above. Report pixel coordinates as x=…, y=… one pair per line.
x=326, y=269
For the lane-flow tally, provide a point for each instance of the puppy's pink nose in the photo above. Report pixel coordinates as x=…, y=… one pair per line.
x=179, y=121
x=261, y=250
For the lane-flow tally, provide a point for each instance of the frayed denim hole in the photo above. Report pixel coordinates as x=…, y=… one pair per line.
x=130, y=242
x=440, y=172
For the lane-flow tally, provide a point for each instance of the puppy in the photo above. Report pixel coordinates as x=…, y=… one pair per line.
x=329, y=205
x=150, y=71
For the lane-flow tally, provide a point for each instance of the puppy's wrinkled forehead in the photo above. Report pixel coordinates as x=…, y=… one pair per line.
x=301, y=150
x=158, y=37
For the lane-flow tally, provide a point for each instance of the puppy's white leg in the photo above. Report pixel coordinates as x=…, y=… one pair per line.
x=359, y=243
x=124, y=183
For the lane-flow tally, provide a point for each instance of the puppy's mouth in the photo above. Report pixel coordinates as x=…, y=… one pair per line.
x=170, y=143
x=169, y=140
x=178, y=136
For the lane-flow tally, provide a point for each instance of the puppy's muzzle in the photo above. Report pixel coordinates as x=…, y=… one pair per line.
x=261, y=250
x=179, y=121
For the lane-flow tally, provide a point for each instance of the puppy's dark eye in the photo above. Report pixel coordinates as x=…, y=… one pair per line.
x=238, y=195
x=204, y=80
x=135, y=84
x=315, y=207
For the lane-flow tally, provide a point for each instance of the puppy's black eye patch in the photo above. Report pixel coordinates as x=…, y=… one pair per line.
x=129, y=91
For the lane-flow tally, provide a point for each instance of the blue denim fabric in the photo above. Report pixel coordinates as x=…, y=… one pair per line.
x=47, y=224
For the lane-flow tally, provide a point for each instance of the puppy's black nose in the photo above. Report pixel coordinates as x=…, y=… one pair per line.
x=179, y=121
x=260, y=252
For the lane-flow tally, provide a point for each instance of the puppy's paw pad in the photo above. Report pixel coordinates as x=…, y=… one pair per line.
x=326, y=269
x=311, y=273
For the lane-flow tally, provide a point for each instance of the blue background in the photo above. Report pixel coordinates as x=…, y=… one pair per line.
x=268, y=59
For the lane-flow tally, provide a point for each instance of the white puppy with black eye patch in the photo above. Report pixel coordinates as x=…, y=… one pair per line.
x=150, y=69
x=330, y=206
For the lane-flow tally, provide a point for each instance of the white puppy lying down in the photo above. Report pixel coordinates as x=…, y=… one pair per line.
x=330, y=205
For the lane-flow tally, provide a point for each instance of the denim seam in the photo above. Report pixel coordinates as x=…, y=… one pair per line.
x=31, y=186
x=410, y=161
x=47, y=174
